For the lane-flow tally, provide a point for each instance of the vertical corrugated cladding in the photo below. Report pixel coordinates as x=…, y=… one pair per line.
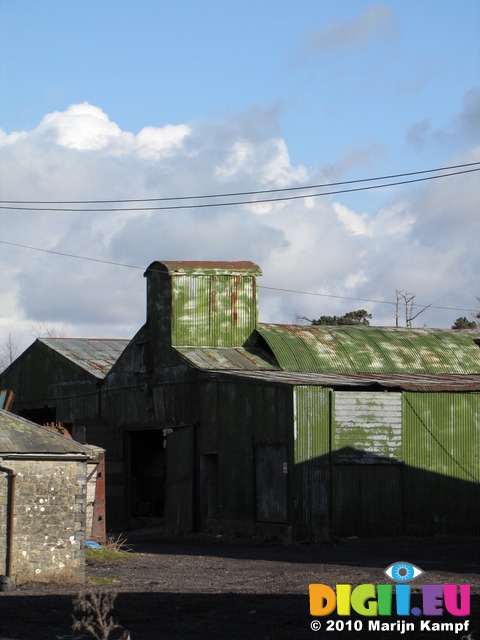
x=248, y=415
x=441, y=450
x=367, y=469
x=311, y=473
x=213, y=310
x=310, y=429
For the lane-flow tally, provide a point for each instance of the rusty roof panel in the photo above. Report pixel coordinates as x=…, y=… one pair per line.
x=96, y=356
x=424, y=382
x=201, y=267
x=373, y=349
x=220, y=359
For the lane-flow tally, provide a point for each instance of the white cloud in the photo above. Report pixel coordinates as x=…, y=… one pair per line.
x=388, y=221
x=423, y=240
x=377, y=21
x=154, y=142
x=82, y=126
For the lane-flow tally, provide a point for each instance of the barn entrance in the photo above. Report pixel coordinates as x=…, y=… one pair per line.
x=147, y=476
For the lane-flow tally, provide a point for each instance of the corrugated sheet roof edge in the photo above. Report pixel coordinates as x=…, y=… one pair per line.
x=424, y=383
x=198, y=267
x=97, y=367
x=320, y=348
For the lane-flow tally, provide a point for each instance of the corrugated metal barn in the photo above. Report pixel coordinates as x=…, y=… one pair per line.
x=211, y=419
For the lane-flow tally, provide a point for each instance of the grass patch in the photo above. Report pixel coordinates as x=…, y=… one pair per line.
x=104, y=556
x=100, y=580
x=113, y=551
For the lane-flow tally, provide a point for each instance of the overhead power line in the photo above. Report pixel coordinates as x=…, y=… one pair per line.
x=282, y=290
x=14, y=205
x=244, y=193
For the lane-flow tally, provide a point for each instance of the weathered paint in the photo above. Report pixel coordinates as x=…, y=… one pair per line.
x=372, y=349
x=367, y=426
x=214, y=310
x=203, y=267
x=222, y=359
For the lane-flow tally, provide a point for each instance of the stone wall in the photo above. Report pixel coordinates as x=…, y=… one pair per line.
x=49, y=522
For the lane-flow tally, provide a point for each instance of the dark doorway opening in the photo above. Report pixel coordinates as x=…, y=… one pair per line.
x=147, y=475
x=40, y=416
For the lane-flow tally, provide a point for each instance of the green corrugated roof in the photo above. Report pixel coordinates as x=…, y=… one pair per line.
x=373, y=349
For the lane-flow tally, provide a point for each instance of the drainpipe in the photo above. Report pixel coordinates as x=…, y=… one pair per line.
x=11, y=507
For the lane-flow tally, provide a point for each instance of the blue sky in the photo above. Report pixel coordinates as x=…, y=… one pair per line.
x=123, y=99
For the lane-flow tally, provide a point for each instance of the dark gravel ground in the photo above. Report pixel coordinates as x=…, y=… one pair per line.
x=210, y=588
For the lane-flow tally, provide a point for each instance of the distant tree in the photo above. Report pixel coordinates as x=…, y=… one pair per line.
x=360, y=316
x=463, y=323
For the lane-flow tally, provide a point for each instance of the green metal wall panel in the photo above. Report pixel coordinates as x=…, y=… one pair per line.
x=367, y=426
x=311, y=423
x=441, y=446
x=442, y=433
x=213, y=310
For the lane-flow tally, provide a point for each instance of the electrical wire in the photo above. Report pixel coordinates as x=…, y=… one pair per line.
x=245, y=193
x=235, y=203
x=281, y=290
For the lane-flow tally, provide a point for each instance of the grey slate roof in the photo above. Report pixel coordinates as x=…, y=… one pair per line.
x=20, y=437
x=96, y=356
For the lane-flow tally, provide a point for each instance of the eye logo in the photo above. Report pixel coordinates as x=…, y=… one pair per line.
x=403, y=572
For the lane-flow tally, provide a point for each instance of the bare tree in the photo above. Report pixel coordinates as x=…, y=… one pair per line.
x=8, y=349
x=408, y=301
x=48, y=331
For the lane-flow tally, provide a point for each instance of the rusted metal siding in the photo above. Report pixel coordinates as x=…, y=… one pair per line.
x=213, y=310
x=210, y=267
x=375, y=350
x=367, y=427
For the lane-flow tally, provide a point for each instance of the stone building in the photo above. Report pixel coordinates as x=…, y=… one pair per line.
x=43, y=496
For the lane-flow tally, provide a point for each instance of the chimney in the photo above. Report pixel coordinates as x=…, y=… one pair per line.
x=204, y=304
